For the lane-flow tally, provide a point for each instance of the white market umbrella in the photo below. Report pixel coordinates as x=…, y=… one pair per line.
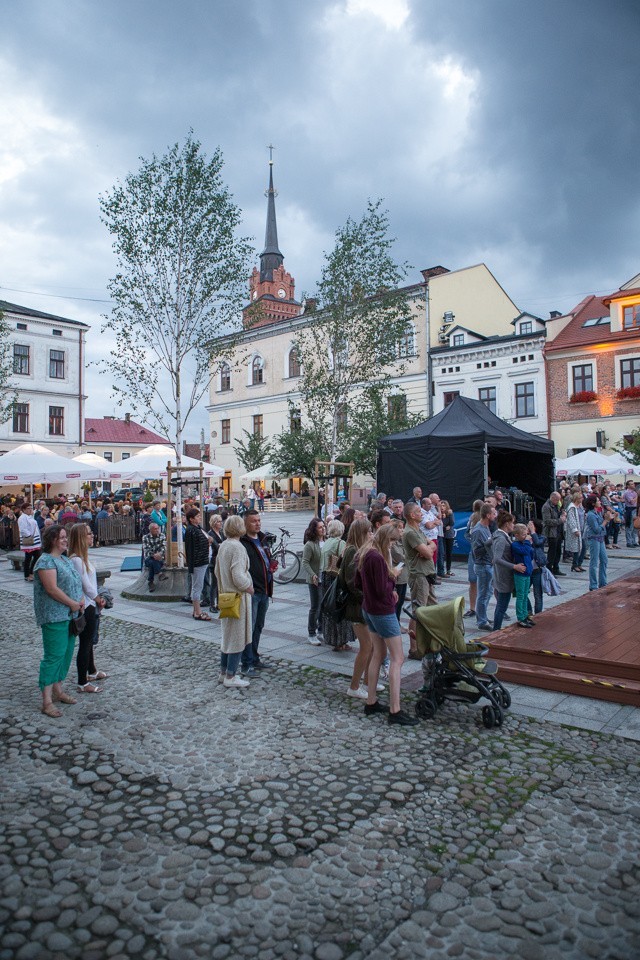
x=102, y=469
x=33, y=463
x=618, y=460
x=151, y=464
x=265, y=472
x=587, y=463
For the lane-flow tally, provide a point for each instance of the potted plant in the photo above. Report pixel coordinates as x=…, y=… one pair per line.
x=628, y=393
x=583, y=396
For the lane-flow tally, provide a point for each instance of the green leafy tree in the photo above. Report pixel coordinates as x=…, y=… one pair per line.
x=8, y=393
x=381, y=412
x=358, y=337
x=632, y=449
x=180, y=283
x=253, y=452
x=295, y=451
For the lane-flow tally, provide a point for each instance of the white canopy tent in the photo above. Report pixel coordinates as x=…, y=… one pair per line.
x=151, y=464
x=102, y=469
x=265, y=472
x=33, y=463
x=625, y=466
x=587, y=463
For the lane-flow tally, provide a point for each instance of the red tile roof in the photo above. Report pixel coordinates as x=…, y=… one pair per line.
x=621, y=294
x=110, y=430
x=575, y=334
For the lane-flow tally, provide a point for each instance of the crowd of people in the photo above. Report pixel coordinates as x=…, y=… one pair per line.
x=394, y=550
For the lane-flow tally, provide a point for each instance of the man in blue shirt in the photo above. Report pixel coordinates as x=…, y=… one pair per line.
x=481, y=549
x=260, y=572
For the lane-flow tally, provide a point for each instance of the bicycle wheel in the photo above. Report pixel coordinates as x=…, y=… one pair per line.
x=288, y=567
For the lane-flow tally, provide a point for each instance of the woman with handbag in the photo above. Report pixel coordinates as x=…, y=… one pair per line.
x=80, y=539
x=360, y=534
x=57, y=598
x=30, y=541
x=375, y=577
x=196, y=550
x=337, y=635
x=234, y=599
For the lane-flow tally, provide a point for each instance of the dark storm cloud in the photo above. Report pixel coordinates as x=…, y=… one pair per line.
x=558, y=119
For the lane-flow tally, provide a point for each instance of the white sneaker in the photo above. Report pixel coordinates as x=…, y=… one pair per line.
x=379, y=688
x=235, y=682
x=360, y=693
x=314, y=641
x=222, y=677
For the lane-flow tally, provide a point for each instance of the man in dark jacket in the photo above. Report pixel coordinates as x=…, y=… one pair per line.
x=262, y=577
x=553, y=519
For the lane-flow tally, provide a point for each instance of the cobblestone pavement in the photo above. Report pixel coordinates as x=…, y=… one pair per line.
x=170, y=817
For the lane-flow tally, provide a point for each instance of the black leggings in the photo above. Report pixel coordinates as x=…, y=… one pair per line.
x=30, y=561
x=401, y=590
x=448, y=552
x=84, y=660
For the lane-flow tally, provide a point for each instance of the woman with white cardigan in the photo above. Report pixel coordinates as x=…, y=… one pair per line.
x=30, y=542
x=232, y=574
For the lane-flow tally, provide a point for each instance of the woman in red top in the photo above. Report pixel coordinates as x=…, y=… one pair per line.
x=376, y=578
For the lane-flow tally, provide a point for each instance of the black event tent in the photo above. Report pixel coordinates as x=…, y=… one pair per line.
x=455, y=452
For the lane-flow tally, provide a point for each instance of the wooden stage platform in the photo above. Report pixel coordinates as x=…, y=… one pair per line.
x=589, y=646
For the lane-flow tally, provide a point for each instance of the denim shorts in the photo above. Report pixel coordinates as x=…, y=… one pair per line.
x=384, y=624
x=471, y=569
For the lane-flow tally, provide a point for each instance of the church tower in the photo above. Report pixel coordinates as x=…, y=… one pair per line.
x=271, y=288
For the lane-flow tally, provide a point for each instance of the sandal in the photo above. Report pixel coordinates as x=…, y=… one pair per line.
x=203, y=616
x=65, y=698
x=50, y=711
x=98, y=675
x=89, y=688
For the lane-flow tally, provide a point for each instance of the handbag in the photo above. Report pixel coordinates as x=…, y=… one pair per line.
x=28, y=541
x=229, y=606
x=334, y=601
x=550, y=585
x=77, y=625
x=636, y=523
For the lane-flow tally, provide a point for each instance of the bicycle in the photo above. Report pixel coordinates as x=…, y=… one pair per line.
x=288, y=562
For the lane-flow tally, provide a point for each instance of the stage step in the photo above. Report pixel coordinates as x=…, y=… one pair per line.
x=565, y=680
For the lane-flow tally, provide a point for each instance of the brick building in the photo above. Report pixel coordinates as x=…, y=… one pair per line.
x=593, y=371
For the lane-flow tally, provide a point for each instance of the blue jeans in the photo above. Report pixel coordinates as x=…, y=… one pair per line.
x=536, y=583
x=154, y=567
x=484, y=575
x=629, y=529
x=502, y=605
x=229, y=663
x=597, y=564
x=440, y=560
x=259, y=605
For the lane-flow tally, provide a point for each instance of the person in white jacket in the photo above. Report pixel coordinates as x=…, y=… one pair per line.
x=80, y=539
x=30, y=542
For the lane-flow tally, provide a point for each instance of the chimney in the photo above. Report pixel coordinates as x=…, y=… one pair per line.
x=433, y=272
x=127, y=418
x=553, y=314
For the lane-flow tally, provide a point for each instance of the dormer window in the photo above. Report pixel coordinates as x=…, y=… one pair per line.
x=631, y=316
x=458, y=339
x=526, y=326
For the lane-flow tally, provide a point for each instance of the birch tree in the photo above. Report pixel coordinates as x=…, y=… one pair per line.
x=180, y=282
x=8, y=393
x=356, y=339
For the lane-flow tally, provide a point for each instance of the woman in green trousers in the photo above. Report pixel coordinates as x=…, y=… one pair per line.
x=57, y=598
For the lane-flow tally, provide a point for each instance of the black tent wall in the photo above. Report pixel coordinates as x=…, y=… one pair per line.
x=446, y=454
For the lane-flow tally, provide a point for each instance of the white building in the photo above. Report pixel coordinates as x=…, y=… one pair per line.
x=507, y=373
x=48, y=372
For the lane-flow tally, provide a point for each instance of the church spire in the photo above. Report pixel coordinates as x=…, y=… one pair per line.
x=270, y=258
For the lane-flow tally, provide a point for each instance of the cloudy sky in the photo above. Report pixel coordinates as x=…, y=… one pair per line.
x=503, y=131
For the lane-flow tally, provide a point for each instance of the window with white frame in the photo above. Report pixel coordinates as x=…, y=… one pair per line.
x=406, y=346
x=631, y=316
x=21, y=418
x=294, y=362
x=225, y=377
x=630, y=372
x=582, y=376
x=56, y=421
x=257, y=370
x=525, y=400
x=56, y=364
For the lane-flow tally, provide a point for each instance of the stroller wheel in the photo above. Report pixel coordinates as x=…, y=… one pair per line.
x=425, y=709
x=492, y=717
x=505, y=699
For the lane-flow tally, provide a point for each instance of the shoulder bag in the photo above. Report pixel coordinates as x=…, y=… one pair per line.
x=229, y=606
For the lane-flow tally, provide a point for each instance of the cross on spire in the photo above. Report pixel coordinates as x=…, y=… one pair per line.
x=270, y=148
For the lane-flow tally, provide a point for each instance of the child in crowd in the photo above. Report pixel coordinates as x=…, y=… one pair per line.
x=539, y=543
x=522, y=552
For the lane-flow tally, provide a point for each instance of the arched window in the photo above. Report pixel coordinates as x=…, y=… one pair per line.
x=294, y=362
x=257, y=370
x=225, y=377
x=406, y=343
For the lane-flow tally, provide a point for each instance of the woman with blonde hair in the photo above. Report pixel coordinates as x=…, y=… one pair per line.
x=337, y=635
x=80, y=539
x=360, y=534
x=376, y=577
x=232, y=574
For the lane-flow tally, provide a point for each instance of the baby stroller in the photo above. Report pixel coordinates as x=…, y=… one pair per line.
x=452, y=668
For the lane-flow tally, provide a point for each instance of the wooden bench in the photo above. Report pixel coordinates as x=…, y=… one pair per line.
x=16, y=558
